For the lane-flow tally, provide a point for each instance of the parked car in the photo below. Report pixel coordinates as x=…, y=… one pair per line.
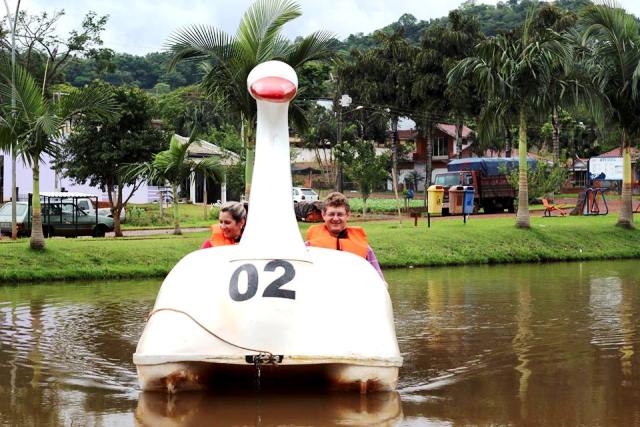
x=88, y=207
x=21, y=216
x=58, y=219
x=301, y=194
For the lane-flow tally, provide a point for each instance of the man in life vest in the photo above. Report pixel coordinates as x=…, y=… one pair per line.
x=233, y=217
x=336, y=234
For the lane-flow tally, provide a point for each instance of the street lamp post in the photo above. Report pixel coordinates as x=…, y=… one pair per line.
x=344, y=101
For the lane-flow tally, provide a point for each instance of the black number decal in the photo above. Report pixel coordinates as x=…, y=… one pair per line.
x=273, y=290
x=252, y=283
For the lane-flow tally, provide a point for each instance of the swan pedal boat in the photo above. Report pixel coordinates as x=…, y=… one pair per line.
x=270, y=308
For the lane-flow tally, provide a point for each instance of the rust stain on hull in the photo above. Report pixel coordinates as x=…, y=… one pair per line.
x=216, y=376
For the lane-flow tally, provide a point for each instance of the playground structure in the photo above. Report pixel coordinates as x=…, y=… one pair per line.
x=592, y=202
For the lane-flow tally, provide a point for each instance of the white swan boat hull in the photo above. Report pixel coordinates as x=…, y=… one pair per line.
x=217, y=311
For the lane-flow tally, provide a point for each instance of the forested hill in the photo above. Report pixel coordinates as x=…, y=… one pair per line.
x=150, y=71
x=505, y=15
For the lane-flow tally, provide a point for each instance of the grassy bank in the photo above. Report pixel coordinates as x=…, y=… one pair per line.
x=447, y=242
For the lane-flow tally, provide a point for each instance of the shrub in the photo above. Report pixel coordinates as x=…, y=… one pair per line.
x=214, y=213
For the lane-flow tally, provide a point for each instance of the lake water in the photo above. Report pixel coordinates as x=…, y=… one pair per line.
x=552, y=344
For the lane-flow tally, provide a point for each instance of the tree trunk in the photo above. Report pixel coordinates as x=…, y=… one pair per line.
x=459, y=139
x=394, y=164
x=247, y=136
x=117, y=228
x=14, y=195
x=204, y=198
x=176, y=212
x=625, y=218
x=364, y=207
x=555, y=136
x=522, y=217
x=37, y=236
x=429, y=165
x=248, y=170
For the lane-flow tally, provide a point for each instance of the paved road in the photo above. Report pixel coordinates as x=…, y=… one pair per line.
x=158, y=231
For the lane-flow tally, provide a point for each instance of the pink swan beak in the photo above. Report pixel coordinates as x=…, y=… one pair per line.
x=273, y=89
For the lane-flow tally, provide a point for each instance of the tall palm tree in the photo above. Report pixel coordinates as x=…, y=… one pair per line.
x=227, y=60
x=36, y=124
x=613, y=36
x=384, y=76
x=175, y=166
x=514, y=72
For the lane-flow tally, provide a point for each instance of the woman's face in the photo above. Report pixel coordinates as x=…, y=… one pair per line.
x=231, y=228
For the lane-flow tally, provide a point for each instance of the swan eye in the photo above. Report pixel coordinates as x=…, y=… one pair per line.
x=273, y=89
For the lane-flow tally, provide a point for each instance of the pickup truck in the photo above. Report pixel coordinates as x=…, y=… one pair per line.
x=493, y=193
x=87, y=206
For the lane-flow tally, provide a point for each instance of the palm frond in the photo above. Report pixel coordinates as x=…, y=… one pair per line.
x=261, y=24
x=199, y=43
x=318, y=45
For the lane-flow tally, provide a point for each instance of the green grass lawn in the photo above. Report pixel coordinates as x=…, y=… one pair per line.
x=447, y=242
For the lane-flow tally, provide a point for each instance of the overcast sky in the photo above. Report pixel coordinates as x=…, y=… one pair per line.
x=142, y=26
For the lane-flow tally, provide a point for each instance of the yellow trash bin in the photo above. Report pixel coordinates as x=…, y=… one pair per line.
x=456, y=199
x=435, y=194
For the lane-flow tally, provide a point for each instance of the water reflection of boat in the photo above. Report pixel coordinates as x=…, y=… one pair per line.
x=229, y=313
x=201, y=409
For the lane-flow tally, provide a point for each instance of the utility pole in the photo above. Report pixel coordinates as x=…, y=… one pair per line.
x=14, y=155
x=344, y=101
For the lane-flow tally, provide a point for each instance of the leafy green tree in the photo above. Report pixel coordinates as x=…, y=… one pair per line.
x=383, y=76
x=365, y=167
x=46, y=54
x=514, y=73
x=97, y=149
x=542, y=180
x=443, y=45
x=229, y=59
x=175, y=166
x=612, y=34
x=37, y=123
x=188, y=108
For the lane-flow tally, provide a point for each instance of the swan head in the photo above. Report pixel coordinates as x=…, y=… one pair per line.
x=273, y=81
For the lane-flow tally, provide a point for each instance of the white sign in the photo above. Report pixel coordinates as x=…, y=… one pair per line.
x=605, y=168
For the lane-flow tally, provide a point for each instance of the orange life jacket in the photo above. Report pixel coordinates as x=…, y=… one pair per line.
x=355, y=240
x=217, y=237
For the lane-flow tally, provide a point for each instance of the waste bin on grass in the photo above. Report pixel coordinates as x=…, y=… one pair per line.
x=467, y=209
x=435, y=195
x=456, y=199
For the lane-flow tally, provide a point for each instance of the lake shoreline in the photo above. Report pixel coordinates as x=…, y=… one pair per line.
x=446, y=243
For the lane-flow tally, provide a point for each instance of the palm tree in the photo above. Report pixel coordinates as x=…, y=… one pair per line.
x=514, y=73
x=612, y=34
x=227, y=60
x=175, y=166
x=551, y=17
x=36, y=124
x=383, y=76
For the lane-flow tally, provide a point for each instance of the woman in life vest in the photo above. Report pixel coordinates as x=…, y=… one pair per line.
x=233, y=217
x=336, y=234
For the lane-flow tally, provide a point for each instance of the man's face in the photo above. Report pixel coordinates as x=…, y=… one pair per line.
x=335, y=218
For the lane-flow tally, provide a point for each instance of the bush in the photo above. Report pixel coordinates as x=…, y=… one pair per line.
x=214, y=213
x=141, y=217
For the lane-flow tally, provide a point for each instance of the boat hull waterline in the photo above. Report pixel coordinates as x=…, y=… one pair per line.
x=207, y=326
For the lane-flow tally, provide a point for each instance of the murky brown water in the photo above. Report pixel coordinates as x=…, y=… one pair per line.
x=549, y=344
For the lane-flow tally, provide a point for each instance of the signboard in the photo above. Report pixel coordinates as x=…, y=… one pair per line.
x=605, y=168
